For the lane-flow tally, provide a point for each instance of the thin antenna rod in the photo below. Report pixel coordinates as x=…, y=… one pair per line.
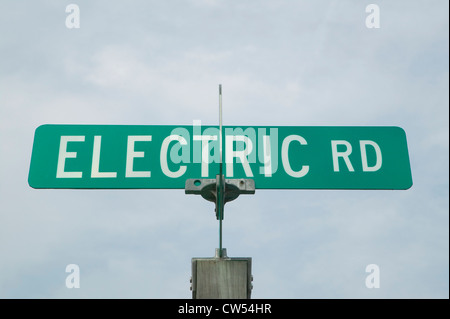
x=220, y=128
x=220, y=190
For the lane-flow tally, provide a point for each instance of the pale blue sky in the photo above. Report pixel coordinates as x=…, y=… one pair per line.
x=280, y=63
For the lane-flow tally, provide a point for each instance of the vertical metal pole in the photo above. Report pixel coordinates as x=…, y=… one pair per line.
x=220, y=190
x=220, y=127
x=221, y=276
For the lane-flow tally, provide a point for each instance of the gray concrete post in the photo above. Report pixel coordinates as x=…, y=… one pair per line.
x=221, y=277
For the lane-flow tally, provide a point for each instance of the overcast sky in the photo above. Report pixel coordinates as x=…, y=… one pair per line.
x=299, y=63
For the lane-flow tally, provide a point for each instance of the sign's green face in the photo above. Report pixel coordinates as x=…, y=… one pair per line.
x=285, y=157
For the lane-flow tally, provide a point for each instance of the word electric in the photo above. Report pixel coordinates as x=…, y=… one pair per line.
x=286, y=157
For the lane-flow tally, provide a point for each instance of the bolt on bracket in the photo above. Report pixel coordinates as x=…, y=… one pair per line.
x=208, y=188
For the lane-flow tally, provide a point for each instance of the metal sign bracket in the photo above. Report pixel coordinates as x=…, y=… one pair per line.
x=210, y=188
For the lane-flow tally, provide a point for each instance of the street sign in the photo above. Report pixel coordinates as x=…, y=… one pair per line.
x=164, y=157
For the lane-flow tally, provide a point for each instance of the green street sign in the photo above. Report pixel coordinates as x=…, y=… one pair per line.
x=152, y=157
